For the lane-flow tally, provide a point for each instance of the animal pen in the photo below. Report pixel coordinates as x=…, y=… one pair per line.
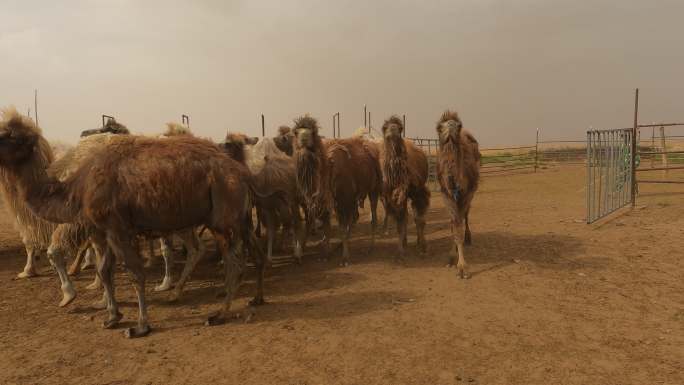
x=616, y=157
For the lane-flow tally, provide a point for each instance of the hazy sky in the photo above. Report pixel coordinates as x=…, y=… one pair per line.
x=508, y=67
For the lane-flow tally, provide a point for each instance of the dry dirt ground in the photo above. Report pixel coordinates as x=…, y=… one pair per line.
x=551, y=301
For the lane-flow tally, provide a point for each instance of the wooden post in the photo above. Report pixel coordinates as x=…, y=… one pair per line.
x=403, y=122
x=536, y=151
x=263, y=126
x=370, y=123
x=634, y=146
x=185, y=119
x=365, y=116
x=663, y=150
x=333, y=126
x=339, y=128
x=35, y=105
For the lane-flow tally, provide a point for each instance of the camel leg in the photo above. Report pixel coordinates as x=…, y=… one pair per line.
x=150, y=251
x=401, y=222
x=419, y=214
x=270, y=236
x=56, y=258
x=196, y=250
x=233, y=265
x=374, y=220
x=167, y=254
x=299, y=235
x=260, y=263
x=468, y=238
x=122, y=247
x=89, y=258
x=327, y=233
x=459, y=248
x=76, y=265
x=29, y=269
x=346, y=232
x=105, y=271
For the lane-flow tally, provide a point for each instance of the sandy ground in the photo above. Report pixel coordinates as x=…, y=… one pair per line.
x=551, y=301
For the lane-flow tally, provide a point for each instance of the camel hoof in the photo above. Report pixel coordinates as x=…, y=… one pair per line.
x=27, y=274
x=164, y=286
x=257, y=301
x=68, y=295
x=215, y=320
x=137, y=332
x=99, y=305
x=112, y=322
x=175, y=296
x=94, y=285
x=463, y=274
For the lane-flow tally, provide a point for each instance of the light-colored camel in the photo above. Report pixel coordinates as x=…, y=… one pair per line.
x=274, y=178
x=139, y=185
x=458, y=173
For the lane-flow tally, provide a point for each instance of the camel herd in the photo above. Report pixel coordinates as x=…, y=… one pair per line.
x=114, y=192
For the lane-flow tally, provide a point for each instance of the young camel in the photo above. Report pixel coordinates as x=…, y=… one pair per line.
x=334, y=176
x=458, y=172
x=138, y=185
x=274, y=177
x=404, y=174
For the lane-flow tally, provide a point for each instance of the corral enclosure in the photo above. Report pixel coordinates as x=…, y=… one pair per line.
x=551, y=301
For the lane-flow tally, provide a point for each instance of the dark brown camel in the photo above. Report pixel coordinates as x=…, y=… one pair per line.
x=404, y=173
x=334, y=176
x=139, y=185
x=458, y=172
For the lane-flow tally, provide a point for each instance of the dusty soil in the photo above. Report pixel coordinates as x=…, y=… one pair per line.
x=551, y=301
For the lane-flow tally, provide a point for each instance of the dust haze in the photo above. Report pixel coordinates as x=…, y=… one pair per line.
x=507, y=67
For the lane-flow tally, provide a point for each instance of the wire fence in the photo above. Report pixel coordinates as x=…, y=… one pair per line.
x=506, y=160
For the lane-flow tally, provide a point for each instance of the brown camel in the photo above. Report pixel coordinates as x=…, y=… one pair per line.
x=138, y=185
x=334, y=176
x=274, y=177
x=458, y=172
x=285, y=140
x=404, y=174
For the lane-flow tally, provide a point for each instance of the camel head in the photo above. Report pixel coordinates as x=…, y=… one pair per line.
x=306, y=132
x=19, y=137
x=235, y=143
x=449, y=127
x=176, y=129
x=111, y=126
x=285, y=140
x=393, y=128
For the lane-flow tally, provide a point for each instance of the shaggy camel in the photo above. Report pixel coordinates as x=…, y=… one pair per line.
x=93, y=141
x=35, y=232
x=285, y=140
x=138, y=185
x=404, y=175
x=458, y=172
x=335, y=176
x=274, y=177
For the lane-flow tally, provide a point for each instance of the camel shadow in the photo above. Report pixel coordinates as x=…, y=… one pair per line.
x=496, y=249
x=321, y=307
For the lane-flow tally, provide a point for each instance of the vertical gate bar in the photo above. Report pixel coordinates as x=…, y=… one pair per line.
x=634, y=146
x=589, y=172
x=613, y=167
x=609, y=173
x=600, y=165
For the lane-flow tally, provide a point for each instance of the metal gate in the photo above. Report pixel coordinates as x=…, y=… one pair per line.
x=610, y=166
